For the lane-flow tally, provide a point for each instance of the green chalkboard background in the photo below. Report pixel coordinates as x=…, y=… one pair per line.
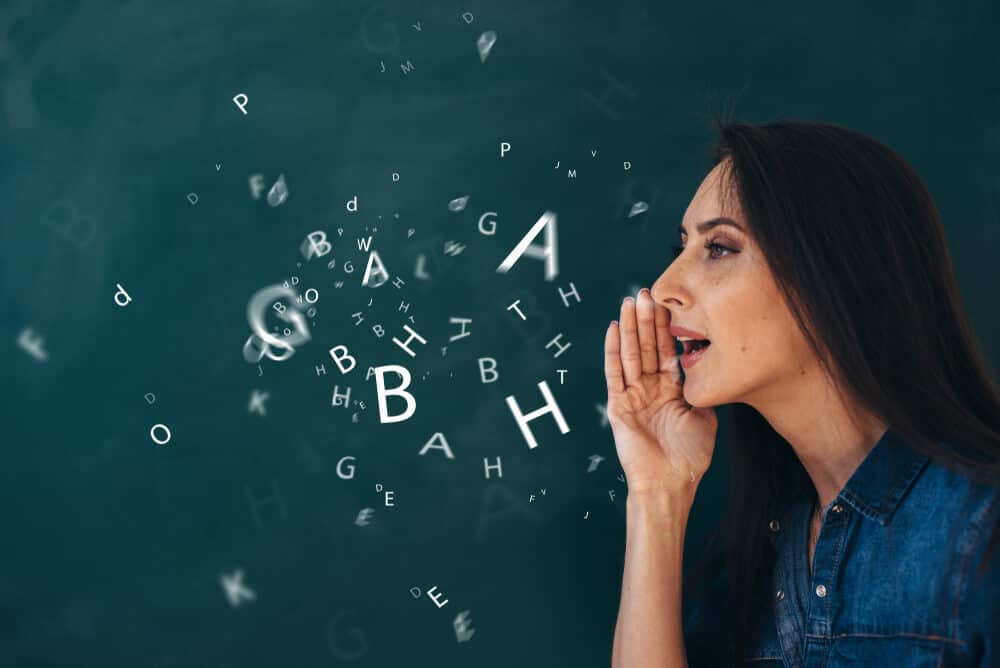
x=114, y=112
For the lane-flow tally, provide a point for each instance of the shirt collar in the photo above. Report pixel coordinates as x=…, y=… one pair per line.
x=883, y=477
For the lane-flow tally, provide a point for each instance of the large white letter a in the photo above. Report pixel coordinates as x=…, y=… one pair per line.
x=546, y=252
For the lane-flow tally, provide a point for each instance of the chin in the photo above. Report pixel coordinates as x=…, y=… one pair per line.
x=693, y=397
x=701, y=404
x=700, y=398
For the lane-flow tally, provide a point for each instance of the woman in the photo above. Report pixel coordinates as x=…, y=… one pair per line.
x=816, y=289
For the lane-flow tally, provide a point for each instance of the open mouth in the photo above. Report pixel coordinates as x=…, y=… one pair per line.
x=695, y=345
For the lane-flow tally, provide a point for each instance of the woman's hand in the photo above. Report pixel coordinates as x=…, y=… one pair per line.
x=662, y=441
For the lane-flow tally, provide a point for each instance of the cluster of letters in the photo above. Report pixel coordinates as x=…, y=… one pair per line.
x=396, y=398
x=286, y=303
x=294, y=307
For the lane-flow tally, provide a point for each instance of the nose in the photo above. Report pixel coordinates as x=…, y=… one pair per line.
x=669, y=289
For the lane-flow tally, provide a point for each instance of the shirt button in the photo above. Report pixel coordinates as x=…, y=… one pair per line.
x=774, y=525
x=820, y=591
x=837, y=508
x=779, y=595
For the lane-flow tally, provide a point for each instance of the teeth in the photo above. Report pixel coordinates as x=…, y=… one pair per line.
x=686, y=338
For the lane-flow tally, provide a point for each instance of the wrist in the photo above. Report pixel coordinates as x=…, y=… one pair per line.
x=662, y=498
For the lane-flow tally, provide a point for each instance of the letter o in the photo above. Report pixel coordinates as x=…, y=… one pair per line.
x=152, y=434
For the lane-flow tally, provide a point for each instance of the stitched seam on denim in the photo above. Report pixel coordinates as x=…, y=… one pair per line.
x=967, y=547
x=893, y=497
x=864, y=508
x=902, y=634
x=825, y=638
x=775, y=605
x=892, y=494
x=827, y=645
x=838, y=553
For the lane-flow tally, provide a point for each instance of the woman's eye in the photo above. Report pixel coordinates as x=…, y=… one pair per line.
x=719, y=248
x=711, y=246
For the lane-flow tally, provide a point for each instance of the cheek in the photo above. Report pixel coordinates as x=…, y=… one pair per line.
x=757, y=337
x=745, y=311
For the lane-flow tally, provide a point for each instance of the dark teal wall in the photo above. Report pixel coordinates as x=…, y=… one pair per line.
x=113, y=112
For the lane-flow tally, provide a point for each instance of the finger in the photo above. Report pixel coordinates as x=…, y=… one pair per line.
x=613, y=360
x=670, y=361
x=647, y=334
x=630, y=343
x=665, y=346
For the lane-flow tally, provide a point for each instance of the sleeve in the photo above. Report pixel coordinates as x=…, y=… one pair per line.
x=981, y=609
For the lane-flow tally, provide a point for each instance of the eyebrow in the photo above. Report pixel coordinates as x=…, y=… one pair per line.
x=714, y=222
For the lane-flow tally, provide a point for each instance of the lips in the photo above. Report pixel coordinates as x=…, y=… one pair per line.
x=693, y=351
x=677, y=330
x=695, y=343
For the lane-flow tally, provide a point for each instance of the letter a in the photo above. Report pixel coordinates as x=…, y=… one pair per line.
x=546, y=252
x=380, y=275
x=437, y=442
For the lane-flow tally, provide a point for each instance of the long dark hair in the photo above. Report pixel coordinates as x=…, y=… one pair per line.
x=857, y=246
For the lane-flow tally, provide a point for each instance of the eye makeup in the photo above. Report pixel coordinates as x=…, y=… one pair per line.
x=713, y=246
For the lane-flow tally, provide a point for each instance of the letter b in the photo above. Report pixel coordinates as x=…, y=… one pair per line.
x=411, y=402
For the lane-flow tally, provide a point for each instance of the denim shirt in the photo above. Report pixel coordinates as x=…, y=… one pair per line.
x=892, y=579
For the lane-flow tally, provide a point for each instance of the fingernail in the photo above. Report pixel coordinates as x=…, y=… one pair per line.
x=646, y=290
x=613, y=322
x=629, y=299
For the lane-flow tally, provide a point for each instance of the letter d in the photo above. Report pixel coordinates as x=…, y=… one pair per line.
x=121, y=292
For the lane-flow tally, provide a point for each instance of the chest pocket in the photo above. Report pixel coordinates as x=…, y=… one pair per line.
x=912, y=651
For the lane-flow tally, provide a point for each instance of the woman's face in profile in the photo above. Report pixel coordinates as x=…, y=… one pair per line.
x=721, y=287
